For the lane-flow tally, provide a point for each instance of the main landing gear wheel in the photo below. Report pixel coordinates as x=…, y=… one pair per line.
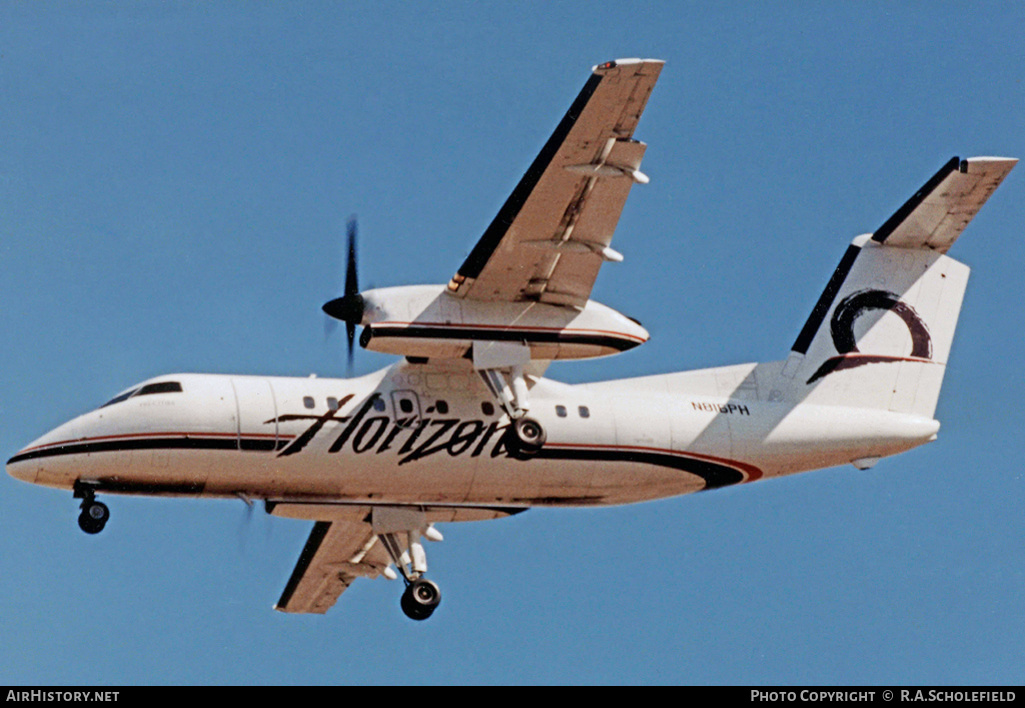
x=420, y=599
x=525, y=438
x=94, y=516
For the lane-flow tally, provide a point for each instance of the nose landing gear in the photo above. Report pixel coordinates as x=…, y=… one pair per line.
x=94, y=513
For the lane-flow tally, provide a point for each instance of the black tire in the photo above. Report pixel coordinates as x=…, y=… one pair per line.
x=525, y=438
x=420, y=599
x=93, y=517
x=88, y=525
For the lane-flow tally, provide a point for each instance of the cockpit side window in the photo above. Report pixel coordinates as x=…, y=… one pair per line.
x=120, y=397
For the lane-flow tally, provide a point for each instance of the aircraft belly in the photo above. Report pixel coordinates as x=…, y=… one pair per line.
x=156, y=471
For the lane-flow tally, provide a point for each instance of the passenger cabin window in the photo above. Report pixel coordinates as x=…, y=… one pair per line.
x=560, y=411
x=332, y=403
x=584, y=412
x=487, y=408
x=441, y=407
x=379, y=404
x=308, y=401
x=406, y=405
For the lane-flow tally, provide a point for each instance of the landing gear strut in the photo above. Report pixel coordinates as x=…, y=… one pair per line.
x=94, y=513
x=399, y=530
x=501, y=367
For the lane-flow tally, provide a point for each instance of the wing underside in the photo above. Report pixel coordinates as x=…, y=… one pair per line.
x=551, y=236
x=342, y=546
x=336, y=553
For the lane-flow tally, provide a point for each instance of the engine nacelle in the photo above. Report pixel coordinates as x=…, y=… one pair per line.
x=426, y=321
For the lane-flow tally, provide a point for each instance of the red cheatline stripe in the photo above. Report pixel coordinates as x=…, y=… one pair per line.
x=750, y=471
x=127, y=436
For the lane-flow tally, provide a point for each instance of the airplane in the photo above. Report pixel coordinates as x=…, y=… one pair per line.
x=464, y=427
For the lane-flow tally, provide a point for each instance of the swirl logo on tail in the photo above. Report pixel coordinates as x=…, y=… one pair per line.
x=841, y=327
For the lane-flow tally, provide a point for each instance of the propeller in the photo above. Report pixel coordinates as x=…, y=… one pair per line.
x=349, y=308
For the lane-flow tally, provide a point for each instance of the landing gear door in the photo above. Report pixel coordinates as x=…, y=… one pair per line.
x=406, y=405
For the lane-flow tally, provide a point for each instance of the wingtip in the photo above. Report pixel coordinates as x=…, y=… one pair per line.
x=624, y=62
x=991, y=158
x=986, y=163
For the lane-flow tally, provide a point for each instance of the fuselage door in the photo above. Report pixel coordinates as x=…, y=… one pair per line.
x=406, y=405
x=257, y=414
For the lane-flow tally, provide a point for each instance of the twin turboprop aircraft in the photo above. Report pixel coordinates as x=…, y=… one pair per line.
x=466, y=428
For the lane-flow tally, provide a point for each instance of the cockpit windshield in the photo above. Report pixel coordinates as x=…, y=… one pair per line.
x=156, y=387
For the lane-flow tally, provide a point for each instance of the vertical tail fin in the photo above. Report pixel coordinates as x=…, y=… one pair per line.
x=880, y=335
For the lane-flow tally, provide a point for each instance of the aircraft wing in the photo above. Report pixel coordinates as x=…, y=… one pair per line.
x=552, y=234
x=343, y=547
x=938, y=212
x=336, y=553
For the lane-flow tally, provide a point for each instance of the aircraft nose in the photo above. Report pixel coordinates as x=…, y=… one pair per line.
x=21, y=468
x=27, y=462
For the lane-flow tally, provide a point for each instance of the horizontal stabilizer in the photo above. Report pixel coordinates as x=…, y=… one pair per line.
x=938, y=212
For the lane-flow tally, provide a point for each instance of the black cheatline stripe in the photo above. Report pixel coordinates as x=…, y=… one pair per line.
x=317, y=535
x=190, y=443
x=821, y=308
x=257, y=444
x=911, y=204
x=480, y=254
x=714, y=474
x=503, y=335
x=117, y=486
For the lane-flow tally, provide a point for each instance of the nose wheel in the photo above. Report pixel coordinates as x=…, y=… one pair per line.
x=94, y=514
x=93, y=517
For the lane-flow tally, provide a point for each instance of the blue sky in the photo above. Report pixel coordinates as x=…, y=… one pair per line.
x=174, y=184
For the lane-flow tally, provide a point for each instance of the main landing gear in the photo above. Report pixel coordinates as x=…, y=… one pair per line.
x=420, y=599
x=500, y=365
x=94, y=513
x=525, y=438
x=399, y=531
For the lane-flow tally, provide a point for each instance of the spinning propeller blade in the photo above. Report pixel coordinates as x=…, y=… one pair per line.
x=349, y=307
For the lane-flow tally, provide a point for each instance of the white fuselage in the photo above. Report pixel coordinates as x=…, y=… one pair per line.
x=422, y=435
